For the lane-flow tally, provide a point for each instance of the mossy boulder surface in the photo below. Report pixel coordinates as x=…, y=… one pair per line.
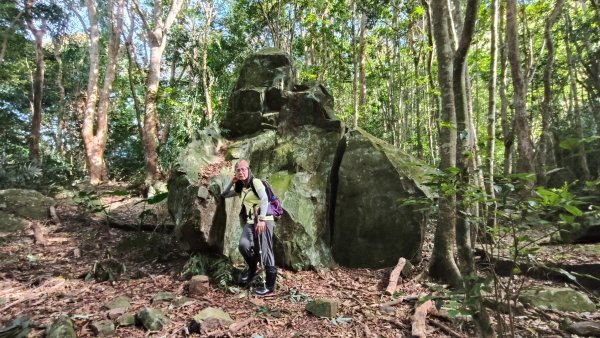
x=17, y=206
x=371, y=226
x=62, y=327
x=562, y=299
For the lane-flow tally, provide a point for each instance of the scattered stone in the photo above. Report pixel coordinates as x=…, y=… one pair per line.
x=120, y=302
x=183, y=301
x=210, y=319
x=323, y=308
x=152, y=319
x=127, y=319
x=108, y=270
x=116, y=313
x=19, y=328
x=61, y=328
x=585, y=329
x=103, y=328
x=562, y=299
x=163, y=297
x=199, y=285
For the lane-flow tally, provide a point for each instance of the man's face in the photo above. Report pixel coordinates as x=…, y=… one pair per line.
x=241, y=171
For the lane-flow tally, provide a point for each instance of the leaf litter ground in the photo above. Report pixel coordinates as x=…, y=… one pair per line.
x=43, y=283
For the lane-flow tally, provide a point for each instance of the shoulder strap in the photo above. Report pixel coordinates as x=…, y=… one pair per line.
x=252, y=186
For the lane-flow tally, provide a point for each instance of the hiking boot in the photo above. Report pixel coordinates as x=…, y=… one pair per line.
x=271, y=277
x=248, y=275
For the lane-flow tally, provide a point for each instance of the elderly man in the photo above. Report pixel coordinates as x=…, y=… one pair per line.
x=256, y=241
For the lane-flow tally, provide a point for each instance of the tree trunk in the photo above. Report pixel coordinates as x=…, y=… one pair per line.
x=545, y=147
x=61, y=123
x=442, y=266
x=465, y=153
x=206, y=81
x=157, y=39
x=362, y=63
x=38, y=84
x=507, y=134
x=574, y=106
x=491, y=119
x=525, y=161
x=95, y=121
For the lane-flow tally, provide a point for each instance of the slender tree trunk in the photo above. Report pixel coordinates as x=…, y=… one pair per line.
x=581, y=150
x=507, y=134
x=61, y=123
x=435, y=109
x=465, y=152
x=157, y=39
x=362, y=63
x=38, y=84
x=209, y=9
x=525, y=161
x=491, y=127
x=442, y=266
x=545, y=147
x=355, y=70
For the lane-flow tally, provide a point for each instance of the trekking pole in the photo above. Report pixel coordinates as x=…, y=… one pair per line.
x=261, y=258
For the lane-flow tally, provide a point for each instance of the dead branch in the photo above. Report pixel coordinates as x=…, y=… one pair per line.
x=398, y=301
x=233, y=328
x=395, y=276
x=445, y=328
x=397, y=323
x=419, y=326
x=38, y=234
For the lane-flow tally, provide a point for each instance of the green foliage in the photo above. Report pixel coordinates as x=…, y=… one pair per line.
x=219, y=268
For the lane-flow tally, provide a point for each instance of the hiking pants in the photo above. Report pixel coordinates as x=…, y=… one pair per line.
x=249, y=245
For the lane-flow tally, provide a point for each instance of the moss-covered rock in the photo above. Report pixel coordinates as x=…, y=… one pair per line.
x=62, y=327
x=562, y=299
x=371, y=226
x=17, y=206
x=152, y=319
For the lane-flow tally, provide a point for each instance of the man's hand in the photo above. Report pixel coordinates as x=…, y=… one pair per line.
x=261, y=226
x=235, y=179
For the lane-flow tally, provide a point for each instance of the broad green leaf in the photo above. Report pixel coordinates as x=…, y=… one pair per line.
x=573, y=210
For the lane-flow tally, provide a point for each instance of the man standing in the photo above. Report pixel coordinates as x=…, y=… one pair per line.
x=256, y=241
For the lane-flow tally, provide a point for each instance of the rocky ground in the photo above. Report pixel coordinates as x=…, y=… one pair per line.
x=40, y=283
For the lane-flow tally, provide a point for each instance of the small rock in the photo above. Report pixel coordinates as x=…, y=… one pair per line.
x=19, y=328
x=61, y=328
x=127, y=319
x=121, y=302
x=199, y=285
x=152, y=319
x=103, y=328
x=585, y=329
x=323, y=308
x=211, y=318
x=115, y=313
x=183, y=301
x=163, y=297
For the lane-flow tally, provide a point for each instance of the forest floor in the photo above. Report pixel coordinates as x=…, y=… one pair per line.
x=41, y=283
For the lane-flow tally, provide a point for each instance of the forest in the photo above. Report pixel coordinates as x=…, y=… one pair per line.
x=119, y=122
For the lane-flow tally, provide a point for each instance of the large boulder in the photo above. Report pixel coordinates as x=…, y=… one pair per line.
x=371, y=226
x=297, y=166
x=289, y=134
x=17, y=206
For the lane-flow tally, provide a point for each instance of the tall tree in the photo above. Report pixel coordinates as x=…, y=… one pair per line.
x=95, y=117
x=491, y=116
x=545, y=154
x=157, y=28
x=525, y=161
x=38, y=83
x=443, y=266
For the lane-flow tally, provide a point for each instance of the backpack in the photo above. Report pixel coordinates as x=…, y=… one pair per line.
x=275, y=208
